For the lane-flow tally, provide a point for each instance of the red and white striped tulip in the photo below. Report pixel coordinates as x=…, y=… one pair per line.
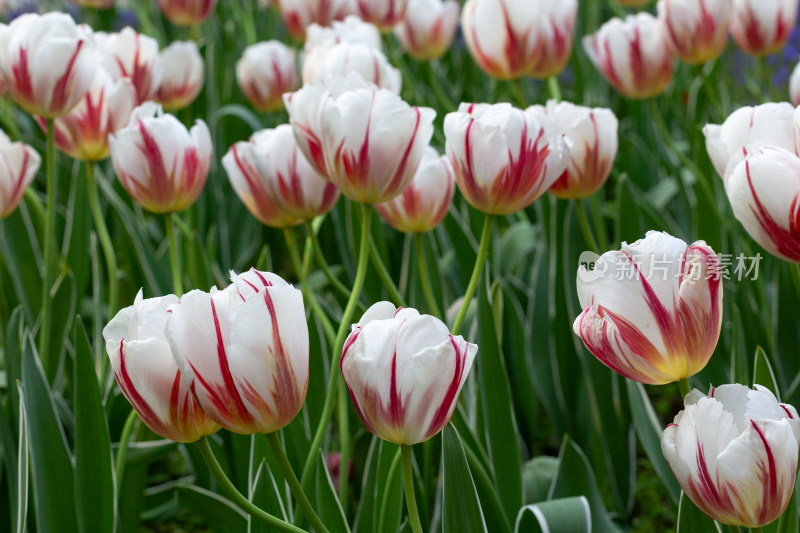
x=340, y=60
x=424, y=203
x=161, y=164
x=266, y=71
x=350, y=30
x=504, y=158
x=696, y=31
x=298, y=15
x=794, y=86
x=83, y=132
x=404, y=372
x=749, y=128
x=590, y=135
x=18, y=166
x=632, y=55
x=428, y=28
x=385, y=14
x=187, y=12
x=274, y=180
x=133, y=55
x=243, y=351
x=48, y=62
x=762, y=27
x=183, y=77
x=146, y=372
x=734, y=453
x=652, y=311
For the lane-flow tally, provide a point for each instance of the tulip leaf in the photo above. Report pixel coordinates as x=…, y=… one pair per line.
x=566, y=515
x=20, y=498
x=538, y=475
x=763, y=374
x=220, y=514
x=381, y=490
x=327, y=503
x=94, y=481
x=264, y=493
x=461, y=508
x=21, y=256
x=693, y=520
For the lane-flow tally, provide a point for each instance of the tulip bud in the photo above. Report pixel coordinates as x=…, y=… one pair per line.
x=274, y=180
x=47, y=61
x=695, y=31
x=83, y=132
x=404, y=372
x=794, y=86
x=504, y=158
x=300, y=14
x=19, y=165
x=424, y=203
x=163, y=166
x=243, y=351
x=427, y=30
x=762, y=27
x=147, y=374
x=187, y=12
x=385, y=14
x=133, y=55
x=183, y=75
x=265, y=72
x=343, y=58
x=632, y=55
x=590, y=136
x=653, y=310
x=734, y=453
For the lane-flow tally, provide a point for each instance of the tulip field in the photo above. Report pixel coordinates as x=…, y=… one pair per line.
x=442, y=266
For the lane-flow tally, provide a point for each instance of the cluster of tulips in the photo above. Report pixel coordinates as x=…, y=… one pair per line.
x=238, y=357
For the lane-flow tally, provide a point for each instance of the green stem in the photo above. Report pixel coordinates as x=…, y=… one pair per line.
x=174, y=257
x=518, y=93
x=324, y=264
x=105, y=241
x=408, y=484
x=383, y=273
x=445, y=101
x=586, y=228
x=236, y=496
x=483, y=250
x=433, y=307
x=389, y=481
x=794, y=270
x=294, y=485
x=684, y=387
x=555, y=90
x=122, y=451
x=343, y=419
x=49, y=252
x=756, y=529
x=344, y=327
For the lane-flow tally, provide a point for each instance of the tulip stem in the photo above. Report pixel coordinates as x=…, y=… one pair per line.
x=794, y=270
x=122, y=450
x=105, y=240
x=49, y=248
x=324, y=264
x=518, y=93
x=294, y=485
x=555, y=90
x=684, y=387
x=383, y=273
x=408, y=484
x=344, y=327
x=433, y=307
x=174, y=258
x=586, y=228
x=236, y=496
x=444, y=99
x=483, y=250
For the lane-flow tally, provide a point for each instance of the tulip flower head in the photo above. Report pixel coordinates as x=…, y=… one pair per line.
x=266, y=71
x=129, y=54
x=183, y=75
x=161, y=164
x=298, y=15
x=47, y=61
x=734, y=453
x=350, y=30
x=341, y=59
x=243, y=351
x=385, y=14
x=794, y=86
x=632, y=55
x=428, y=28
x=762, y=27
x=504, y=158
x=695, y=31
x=147, y=374
x=18, y=166
x=652, y=311
x=274, y=180
x=404, y=372
x=187, y=12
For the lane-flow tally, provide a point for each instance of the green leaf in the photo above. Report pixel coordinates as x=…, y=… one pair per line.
x=220, y=514
x=693, y=520
x=567, y=515
x=265, y=495
x=538, y=475
x=763, y=374
x=327, y=503
x=94, y=480
x=22, y=469
x=461, y=509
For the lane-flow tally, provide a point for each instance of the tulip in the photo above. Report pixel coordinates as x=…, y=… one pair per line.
x=632, y=55
x=764, y=190
x=695, y=31
x=83, y=132
x=300, y=14
x=591, y=142
x=653, y=310
x=48, y=62
x=183, y=75
x=734, y=453
x=514, y=38
x=750, y=127
x=274, y=180
x=187, y=12
x=18, y=166
x=428, y=29
x=343, y=58
x=162, y=165
x=794, y=86
x=424, y=203
x=762, y=27
x=350, y=30
x=146, y=372
x=404, y=372
x=366, y=140
x=243, y=351
x=265, y=72
x=385, y=14
x=133, y=55
x=504, y=158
